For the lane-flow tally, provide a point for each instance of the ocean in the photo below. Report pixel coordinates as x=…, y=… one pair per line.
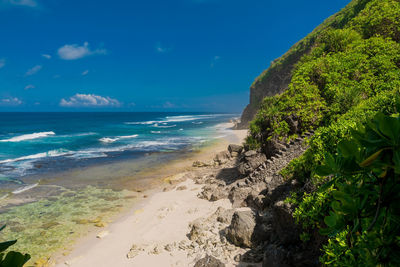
x=34, y=144
x=61, y=174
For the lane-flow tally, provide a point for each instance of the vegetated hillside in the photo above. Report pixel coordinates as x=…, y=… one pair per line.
x=277, y=77
x=346, y=87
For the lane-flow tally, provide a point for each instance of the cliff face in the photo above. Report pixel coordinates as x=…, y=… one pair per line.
x=273, y=81
x=277, y=77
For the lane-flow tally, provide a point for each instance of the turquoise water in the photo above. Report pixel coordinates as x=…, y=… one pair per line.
x=39, y=143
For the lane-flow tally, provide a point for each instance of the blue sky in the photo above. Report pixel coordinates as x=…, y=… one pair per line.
x=153, y=55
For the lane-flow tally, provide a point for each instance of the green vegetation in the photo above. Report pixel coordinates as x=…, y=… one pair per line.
x=350, y=76
x=12, y=258
x=360, y=205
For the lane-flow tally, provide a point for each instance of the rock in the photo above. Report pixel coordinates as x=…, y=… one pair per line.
x=197, y=230
x=232, y=148
x=223, y=215
x=237, y=258
x=168, y=247
x=250, y=153
x=234, y=154
x=156, y=250
x=221, y=157
x=209, y=261
x=200, y=164
x=275, y=257
x=100, y=224
x=134, y=251
x=180, y=188
x=251, y=161
x=285, y=228
x=255, y=201
x=237, y=196
x=241, y=230
x=219, y=192
x=207, y=191
x=102, y=234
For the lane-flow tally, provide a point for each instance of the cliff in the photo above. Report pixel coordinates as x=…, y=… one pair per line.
x=277, y=77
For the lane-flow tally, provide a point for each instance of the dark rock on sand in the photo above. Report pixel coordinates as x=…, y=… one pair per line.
x=241, y=230
x=209, y=261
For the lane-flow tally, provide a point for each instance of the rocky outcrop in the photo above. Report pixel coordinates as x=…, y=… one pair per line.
x=260, y=222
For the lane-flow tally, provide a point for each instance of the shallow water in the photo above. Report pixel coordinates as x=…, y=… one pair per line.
x=49, y=200
x=50, y=224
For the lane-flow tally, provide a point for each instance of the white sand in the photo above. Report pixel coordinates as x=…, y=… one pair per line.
x=162, y=219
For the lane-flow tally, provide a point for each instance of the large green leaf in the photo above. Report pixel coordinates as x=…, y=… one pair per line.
x=7, y=244
x=330, y=221
x=14, y=259
x=371, y=159
x=348, y=148
x=324, y=170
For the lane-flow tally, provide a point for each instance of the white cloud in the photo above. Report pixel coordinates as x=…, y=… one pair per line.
x=29, y=86
x=27, y=3
x=74, y=51
x=162, y=49
x=11, y=101
x=89, y=100
x=2, y=62
x=33, y=70
x=84, y=73
x=46, y=56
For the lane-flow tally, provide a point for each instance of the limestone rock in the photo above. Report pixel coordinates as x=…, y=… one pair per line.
x=251, y=161
x=235, y=148
x=241, y=230
x=134, y=251
x=223, y=215
x=221, y=157
x=237, y=196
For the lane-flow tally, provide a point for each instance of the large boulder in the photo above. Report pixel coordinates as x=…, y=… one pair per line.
x=209, y=261
x=241, y=230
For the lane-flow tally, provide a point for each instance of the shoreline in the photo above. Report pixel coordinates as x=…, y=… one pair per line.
x=162, y=179
x=115, y=240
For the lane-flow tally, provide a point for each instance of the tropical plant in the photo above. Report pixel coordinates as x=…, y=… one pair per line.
x=11, y=258
x=362, y=197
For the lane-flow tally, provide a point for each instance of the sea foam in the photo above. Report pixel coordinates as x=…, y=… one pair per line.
x=26, y=137
x=112, y=140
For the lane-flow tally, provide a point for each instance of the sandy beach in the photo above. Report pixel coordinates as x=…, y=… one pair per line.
x=151, y=233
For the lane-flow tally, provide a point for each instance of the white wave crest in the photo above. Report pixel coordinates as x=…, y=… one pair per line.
x=164, y=126
x=23, y=189
x=142, y=122
x=51, y=153
x=112, y=140
x=28, y=137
